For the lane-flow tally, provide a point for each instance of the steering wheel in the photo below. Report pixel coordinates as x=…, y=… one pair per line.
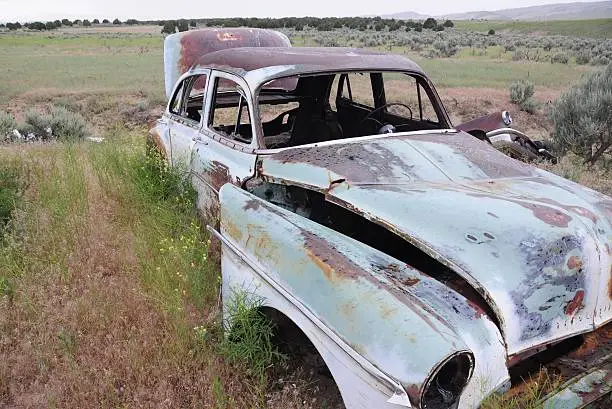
x=372, y=112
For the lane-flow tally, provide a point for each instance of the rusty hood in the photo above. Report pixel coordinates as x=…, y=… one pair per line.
x=535, y=245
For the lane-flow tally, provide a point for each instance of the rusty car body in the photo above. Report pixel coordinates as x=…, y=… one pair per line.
x=428, y=269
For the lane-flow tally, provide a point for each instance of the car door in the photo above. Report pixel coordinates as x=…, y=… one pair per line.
x=185, y=114
x=224, y=151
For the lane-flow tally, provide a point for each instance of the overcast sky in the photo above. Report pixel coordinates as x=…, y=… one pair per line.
x=29, y=10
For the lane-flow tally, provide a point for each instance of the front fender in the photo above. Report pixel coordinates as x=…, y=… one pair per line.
x=386, y=316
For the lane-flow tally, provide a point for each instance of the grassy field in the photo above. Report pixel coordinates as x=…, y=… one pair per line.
x=581, y=28
x=107, y=295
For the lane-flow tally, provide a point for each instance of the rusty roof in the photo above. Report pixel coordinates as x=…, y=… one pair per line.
x=303, y=60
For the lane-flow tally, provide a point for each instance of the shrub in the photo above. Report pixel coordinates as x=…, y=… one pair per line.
x=560, y=58
x=117, y=21
x=519, y=55
x=59, y=123
x=600, y=60
x=521, y=93
x=583, y=57
x=582, y=117
x=449, y=23
x=7, y=124
x=445, y=48
x=491, y=32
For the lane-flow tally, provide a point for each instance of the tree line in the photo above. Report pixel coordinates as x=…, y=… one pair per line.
x=51, y=25
x=297, y=23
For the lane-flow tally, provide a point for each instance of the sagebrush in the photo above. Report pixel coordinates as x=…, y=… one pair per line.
x=582, y=117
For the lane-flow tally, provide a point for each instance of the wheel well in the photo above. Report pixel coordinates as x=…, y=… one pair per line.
x=304, y=363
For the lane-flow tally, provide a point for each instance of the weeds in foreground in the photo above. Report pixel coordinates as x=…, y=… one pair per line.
x=10, y=187
x=249, y=341
x=528, y=395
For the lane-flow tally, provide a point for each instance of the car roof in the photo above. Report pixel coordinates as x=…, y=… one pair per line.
x=259, y=64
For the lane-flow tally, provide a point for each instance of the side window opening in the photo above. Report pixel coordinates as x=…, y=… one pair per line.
x=177, y=100
x=188, y=100
x=230, y=115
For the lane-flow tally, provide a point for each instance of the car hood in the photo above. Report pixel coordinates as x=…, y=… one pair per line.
x=536, y=246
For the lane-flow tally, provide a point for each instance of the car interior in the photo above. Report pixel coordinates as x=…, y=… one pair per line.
x=329, y=108
x=324, y=107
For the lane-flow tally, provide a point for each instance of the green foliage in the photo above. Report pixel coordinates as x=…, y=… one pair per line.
x=444, y=48
x=583, y=117
x=10, y=187
x=117, y=21
x=59, y=123
x=583, y=57
x=449, y=23
x=600, y=60
x=491, y=32
x=521, y=93
x=249, y=341
x=7, y=124
x=430, y=23
x=560, y=58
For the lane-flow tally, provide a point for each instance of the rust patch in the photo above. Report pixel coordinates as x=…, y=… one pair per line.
x=594, y=343
x=548, y=214
x=410, y=281
x=218, y=175
x=576, y=303
x=325, y=255
x=251, y=204
x=574, y=263
x=354, y=162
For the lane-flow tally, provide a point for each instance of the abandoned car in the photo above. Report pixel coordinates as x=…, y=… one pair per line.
x=428, y=269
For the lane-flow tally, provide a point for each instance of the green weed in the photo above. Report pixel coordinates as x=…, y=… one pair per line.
x=249, y=340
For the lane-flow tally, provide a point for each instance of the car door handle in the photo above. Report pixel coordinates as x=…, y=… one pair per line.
x=199, y=139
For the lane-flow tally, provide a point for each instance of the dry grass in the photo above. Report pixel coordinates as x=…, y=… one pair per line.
x=113, y=302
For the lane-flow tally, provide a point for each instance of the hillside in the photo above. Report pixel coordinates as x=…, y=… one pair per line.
x=559, y=11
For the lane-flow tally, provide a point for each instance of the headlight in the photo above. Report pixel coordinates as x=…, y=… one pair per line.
x=447, y=381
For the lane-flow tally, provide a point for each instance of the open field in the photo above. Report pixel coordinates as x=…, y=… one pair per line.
x=108, y=297
x=581, y=28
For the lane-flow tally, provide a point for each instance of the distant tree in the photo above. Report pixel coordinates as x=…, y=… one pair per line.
x=11, y=26
x=50, y=25
x=299, y=27
x=131, y=22
x=418, y=27
x=491, y=32
x=66, y=22
x=37, y=25
x=2, y=25
x=449, y=24
x=17, y=25
x=169, y=27
x=57, y=23
x=183, y=25
x=117, y=21
x=192, y=23
x=86, y=23
x=105, y=21
x=430, y=23
x=76, y=22
x=438, y=28
x=95, y=21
